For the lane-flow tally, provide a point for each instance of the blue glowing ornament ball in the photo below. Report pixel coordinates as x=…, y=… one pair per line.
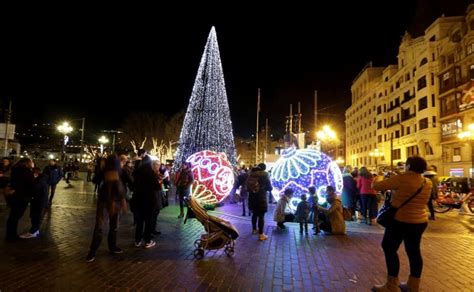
x=299, y=169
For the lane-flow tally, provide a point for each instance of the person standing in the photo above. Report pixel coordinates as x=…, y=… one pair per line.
x=54, y=173
x=110, y=201
x=413, y=190
x=5, y=174
x=145, y=202
x=38, y=203
x=349, y=190
x=258, y=184
x=431, y=174
x=313, y=202
x=302, y=214
x=241, y=182
x=21, y=190
x=184, y=180
x=368, y=196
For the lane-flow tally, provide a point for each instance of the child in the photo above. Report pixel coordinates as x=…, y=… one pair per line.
x=302, y=214
x=313, y=202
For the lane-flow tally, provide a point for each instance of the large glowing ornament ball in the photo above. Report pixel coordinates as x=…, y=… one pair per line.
x=299, y=169
x=213, y=176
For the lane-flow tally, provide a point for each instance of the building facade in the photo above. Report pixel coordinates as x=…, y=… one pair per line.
x=456, y=95
x=406, y=109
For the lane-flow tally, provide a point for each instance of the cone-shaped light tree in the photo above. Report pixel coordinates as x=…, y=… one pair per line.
x=207, y=124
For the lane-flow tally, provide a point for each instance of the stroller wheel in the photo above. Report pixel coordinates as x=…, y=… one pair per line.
x=229, y=251
x=198, y=253
x=197, y=243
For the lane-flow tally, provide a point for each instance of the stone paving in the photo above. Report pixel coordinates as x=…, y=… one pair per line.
x=287, y=261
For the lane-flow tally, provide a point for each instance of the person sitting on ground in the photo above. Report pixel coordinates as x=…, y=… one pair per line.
x=332, y=218
x=283, y=212
x=302, y=214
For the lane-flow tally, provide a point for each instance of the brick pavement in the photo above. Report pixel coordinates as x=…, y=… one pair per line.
x=287, y=261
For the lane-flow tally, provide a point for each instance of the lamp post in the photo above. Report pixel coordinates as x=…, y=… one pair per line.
x=65, y=129
x=376, y=154
x=469, y=136
x=327, y=135
x=103, y=140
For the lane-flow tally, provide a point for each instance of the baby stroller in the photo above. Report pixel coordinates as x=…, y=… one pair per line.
x=219, y=233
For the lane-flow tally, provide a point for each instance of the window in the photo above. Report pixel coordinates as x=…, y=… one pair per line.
x=407, y=77
x=423, y=61
x=424, y=123
x=471, y=72
x=422, y=103
x=432, y=78
x=433, y=103
x=470, y=49
x=412, y=151
x=379, y=124
x=457, y=151
x=433, y=57
x=396, y=154
x=422, y=83
x=397, y=134
x=408, y=130
x=428, y=149
x=379, y=139
x=434, y=121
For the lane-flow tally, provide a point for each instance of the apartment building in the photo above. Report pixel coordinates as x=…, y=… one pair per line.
x=456, y=95
x=395, y=111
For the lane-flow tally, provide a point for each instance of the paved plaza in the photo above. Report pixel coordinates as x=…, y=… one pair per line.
x=287, y=261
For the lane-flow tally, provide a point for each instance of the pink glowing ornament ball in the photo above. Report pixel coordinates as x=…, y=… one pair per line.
x=213, y=176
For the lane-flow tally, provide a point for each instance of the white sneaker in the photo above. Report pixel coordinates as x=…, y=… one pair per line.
x=150, y=244
x=139, y=244
x=29, y=235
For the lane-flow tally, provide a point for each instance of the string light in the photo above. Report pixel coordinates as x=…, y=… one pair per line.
x=299, y=169
x=207, y=124
x=213, y=176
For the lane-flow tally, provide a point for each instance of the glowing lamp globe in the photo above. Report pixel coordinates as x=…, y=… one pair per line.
x=213, y=176
x=299, y=169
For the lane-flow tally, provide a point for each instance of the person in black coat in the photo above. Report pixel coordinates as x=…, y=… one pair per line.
x=242, y=183
x=258, y=184
x=54, y=173
x=38, y=203
x=145, y=202
x=349, y=190
x=21, y=186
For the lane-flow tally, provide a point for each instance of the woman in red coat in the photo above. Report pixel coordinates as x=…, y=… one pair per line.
x=368, y=196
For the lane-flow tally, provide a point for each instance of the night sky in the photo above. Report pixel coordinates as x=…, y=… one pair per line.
x=104, y=63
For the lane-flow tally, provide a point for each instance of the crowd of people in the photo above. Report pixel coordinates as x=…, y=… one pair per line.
x=143, y=187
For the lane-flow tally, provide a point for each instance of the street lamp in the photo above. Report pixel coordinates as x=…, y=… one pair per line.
x=376, y=153
x=327, y=135
x=469, y=136
x=103, y=140
x=65, y=129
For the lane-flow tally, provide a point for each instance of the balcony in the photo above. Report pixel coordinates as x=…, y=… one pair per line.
x=407, y=99
x=397, y=104
x=397, y=122
x=407, y=117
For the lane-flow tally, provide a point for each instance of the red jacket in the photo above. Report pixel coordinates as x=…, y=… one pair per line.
x=365, y=186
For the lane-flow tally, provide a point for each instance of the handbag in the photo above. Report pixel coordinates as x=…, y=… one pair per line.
x=386, y=215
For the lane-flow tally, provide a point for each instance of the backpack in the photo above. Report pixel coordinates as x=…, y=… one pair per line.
x=253, y=184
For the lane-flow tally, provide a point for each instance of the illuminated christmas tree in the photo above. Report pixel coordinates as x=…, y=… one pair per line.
x=207, y=124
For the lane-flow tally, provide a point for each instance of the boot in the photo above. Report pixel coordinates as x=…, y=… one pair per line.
x=413, y=285
x=390, y=286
